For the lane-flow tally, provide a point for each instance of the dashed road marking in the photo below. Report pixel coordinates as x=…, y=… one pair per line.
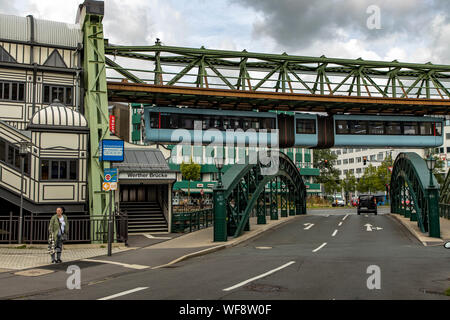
x=345, y=217
x=240, y=284
x=120, y=294
x=334, y=233
x=131, y=266
x=340, y=224
x=321, y=246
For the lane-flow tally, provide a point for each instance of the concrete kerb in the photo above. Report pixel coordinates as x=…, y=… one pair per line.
x=233, y=242
x=411, y=226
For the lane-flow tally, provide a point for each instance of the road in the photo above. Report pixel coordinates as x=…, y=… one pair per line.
x=327, y=254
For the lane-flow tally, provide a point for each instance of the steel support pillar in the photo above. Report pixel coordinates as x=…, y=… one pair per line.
x=433, y=212
x=220, y=216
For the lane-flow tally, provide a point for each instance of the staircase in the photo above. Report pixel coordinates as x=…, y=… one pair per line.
x=144, y=217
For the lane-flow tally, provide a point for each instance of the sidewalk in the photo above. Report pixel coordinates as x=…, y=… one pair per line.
x=423, y=237
x=161, y=250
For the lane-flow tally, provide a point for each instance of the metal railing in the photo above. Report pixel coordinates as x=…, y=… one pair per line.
x=192, y=220
x=83, y=228
x=444, y=210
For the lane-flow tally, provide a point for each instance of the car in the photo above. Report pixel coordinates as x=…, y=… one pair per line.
x=367, y=201
x=338, y=202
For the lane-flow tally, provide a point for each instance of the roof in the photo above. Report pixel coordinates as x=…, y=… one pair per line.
x=143, y=159
x=58, y=116
x=46, y=32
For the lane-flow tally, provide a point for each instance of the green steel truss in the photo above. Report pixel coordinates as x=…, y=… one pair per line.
x=258, y=72
x=96, y=109
x=246, y=190
x=410, y=193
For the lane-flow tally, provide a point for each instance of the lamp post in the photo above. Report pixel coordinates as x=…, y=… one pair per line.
x=433, y=201
x=220, y=213
x=23, y=151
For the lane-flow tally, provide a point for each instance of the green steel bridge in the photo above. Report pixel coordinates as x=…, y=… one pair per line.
x=205, y=78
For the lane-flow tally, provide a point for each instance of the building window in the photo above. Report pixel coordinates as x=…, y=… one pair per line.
x=372, y=157
x=63, y=94
x=358, y=170
x=339, y=162
x=9, y=154
x=358, y=159
x=447, y=136
x=351, y=160
x=52, y=169
x=380, y=156
x=448, y=149
x=345, y=161
x=13, y=91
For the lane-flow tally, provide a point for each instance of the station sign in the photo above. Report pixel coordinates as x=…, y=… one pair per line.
x=112, y=150
x=148, y=175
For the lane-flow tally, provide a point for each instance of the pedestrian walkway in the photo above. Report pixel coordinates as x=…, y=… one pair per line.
x=423, y=237
x=160, y=250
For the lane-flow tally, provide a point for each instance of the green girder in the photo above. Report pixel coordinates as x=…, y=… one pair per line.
x=273, y=72
x=409, y=182
x=444, y=197
x=244, y=188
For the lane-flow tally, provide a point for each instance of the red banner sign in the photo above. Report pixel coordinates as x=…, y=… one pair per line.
x=112, y=124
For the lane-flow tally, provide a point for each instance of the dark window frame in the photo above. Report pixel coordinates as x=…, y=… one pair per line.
x=59, y=160
x=20, y=91
x=50, y=98
x=313, y=121
x=15, y=156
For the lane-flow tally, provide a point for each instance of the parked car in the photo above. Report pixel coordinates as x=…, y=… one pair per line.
x=368, y=202
x=338, y=202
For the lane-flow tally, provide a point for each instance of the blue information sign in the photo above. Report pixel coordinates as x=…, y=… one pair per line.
x=112, y=150
x=110, y=175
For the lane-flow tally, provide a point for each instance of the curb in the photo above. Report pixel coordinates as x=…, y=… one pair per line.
x=230, y=244
x=425, y=242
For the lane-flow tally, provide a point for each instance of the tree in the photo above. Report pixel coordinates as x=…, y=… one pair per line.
x=324, y=160
x=190, y=171
x=369, y=181
x=348, y=184
x=384, y=174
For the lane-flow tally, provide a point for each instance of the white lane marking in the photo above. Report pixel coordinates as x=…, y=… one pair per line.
x=240, y=284
x=334, y=233
x=308, y=226
x=263, y=248
x=123, y=293
x=340, y=224
x=368, y=226
x=345, y=217
x=323, y=245
x=153, y=237
x=131, y=266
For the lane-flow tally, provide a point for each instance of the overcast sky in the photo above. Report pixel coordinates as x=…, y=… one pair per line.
x=408, y=30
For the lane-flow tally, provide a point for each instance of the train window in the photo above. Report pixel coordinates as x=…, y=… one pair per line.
x=226, y=124
x=426, y=128
x=306, y=126
x=358, y=127
x=376, y=127
x=154, y=120
x=235, y=123
x=255, y=124
x=187, y=123
x=393, y=127
x=411, y=128
x=438, y=128
x=246, y=124
x=342, y=127
x=217, y=123
x=206, y=123
x=173, y=121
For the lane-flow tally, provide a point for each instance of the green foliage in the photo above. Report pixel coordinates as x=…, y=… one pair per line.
x=324, y=160
x=190, y=171
x=348, y=184
x=369, y=181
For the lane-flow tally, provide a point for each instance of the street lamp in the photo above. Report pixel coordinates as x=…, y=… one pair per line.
x=23, y=151
x=431, y=163
x=219, y=162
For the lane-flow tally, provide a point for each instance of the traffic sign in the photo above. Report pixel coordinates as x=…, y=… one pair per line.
x=113, y=186
x=106, y=186
x=111, y=175
x=111, y=150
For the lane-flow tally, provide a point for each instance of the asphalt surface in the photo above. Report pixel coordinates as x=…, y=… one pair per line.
x=291, y=262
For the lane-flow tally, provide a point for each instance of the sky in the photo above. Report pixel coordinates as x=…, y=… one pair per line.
x=407, y=30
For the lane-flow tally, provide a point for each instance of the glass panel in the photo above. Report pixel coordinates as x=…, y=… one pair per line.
x=60, y=95
x=55, y=169
x=393, y=127
x=63, y=169
x=358, y=127
x=10, y=158
x=410, y=128
x=426, y=129
x=1, y=90
x=438, y=128
x=44, y=169
x=6, y=93
x=68, y=96
x=14, y=91
x=46, y=94
x=376, y=127
x=342, y=127
x=154, y=120
x=306, y=126
x=2, y=150
x=26, y=163
x=17, y=160
x=21, y=92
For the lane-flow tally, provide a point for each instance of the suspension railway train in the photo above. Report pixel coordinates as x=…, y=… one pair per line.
x=298, y=129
